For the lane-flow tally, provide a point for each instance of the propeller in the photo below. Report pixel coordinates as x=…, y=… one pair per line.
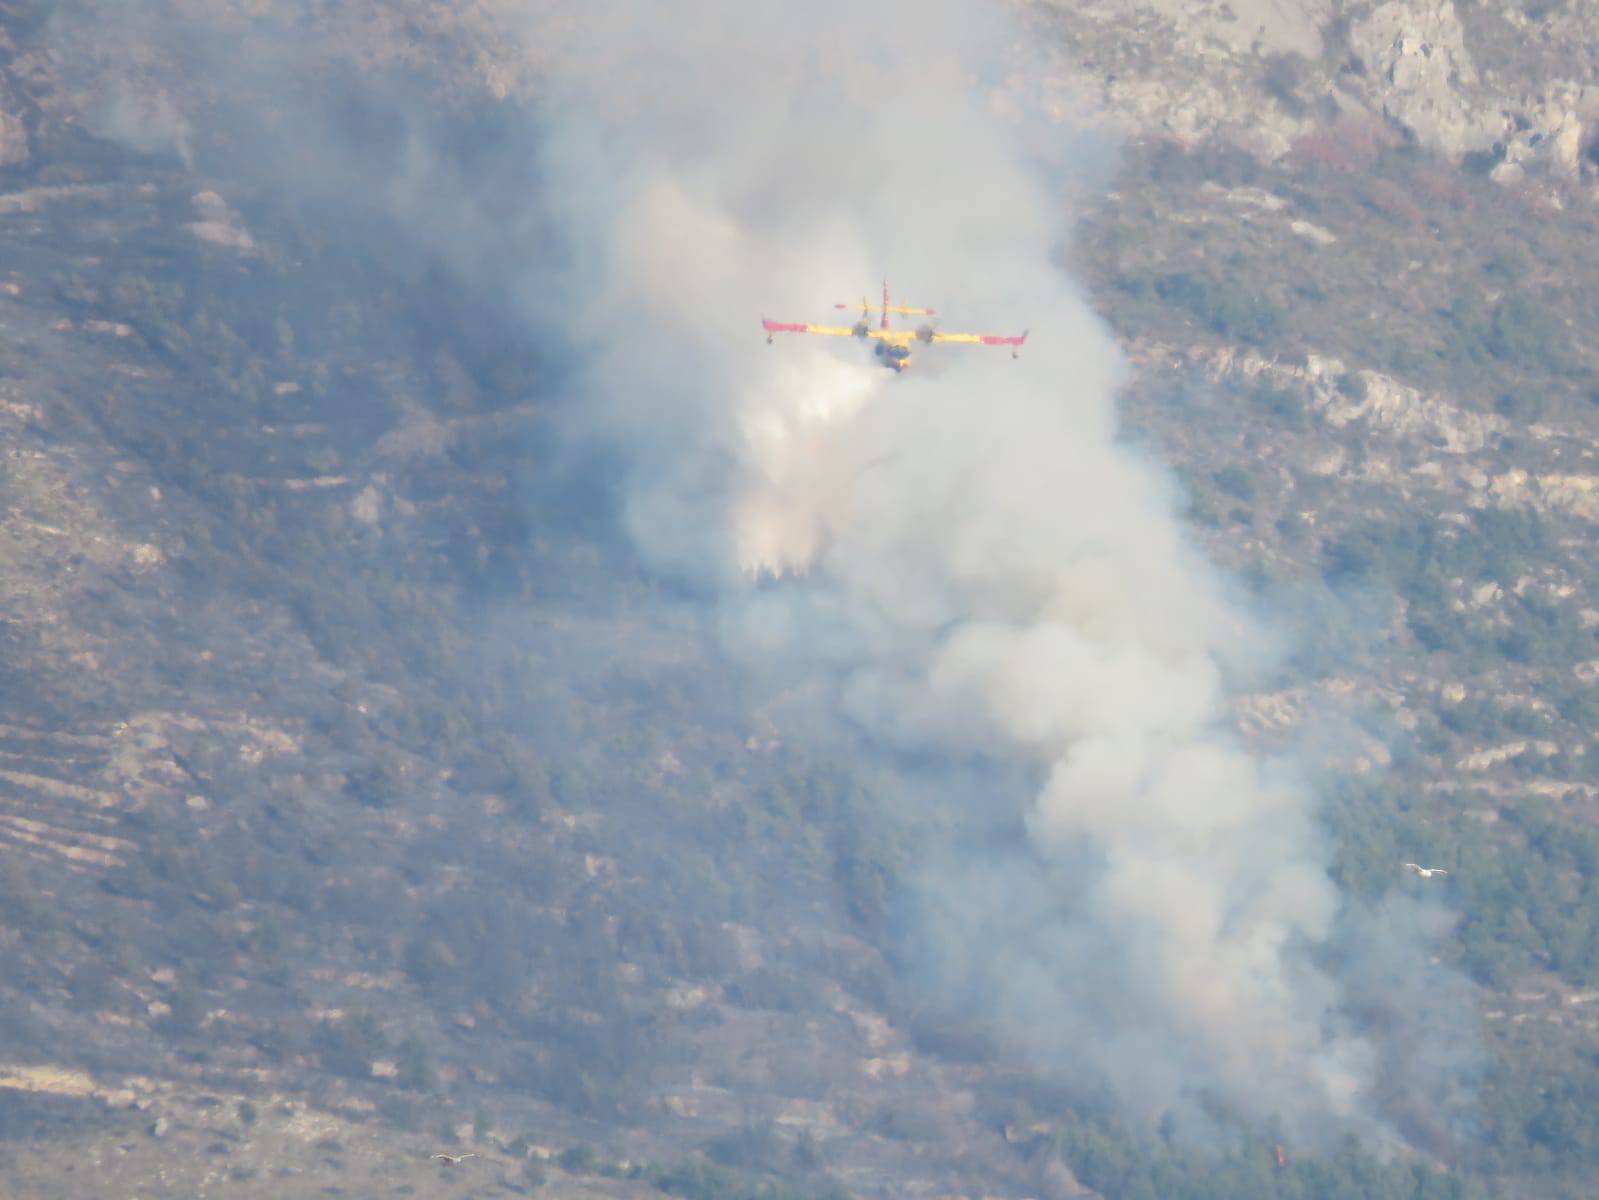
x=862, y=326
x=868, y=310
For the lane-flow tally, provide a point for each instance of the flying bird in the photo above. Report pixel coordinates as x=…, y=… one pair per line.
x=452, y=1160
x=1426, y=872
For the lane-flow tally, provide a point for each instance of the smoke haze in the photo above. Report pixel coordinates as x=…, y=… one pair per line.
x=964, y=560
x=971, y=561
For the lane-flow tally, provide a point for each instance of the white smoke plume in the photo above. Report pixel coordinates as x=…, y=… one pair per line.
x=967, y=562
x=978, y=568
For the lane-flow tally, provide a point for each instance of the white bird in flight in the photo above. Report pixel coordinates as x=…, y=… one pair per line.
x=1426, y=872
x=452, y=1160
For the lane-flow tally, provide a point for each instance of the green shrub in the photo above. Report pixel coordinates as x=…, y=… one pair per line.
x=1352, y=384
x=348, y=1046
x=414, y=1063
x=579, y=1159
x=1236, y=482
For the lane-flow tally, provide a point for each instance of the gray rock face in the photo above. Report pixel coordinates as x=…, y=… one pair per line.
x=1193, y=69
x=1423, y=78
x=1266, y=73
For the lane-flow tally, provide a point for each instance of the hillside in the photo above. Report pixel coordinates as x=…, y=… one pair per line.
x=376, y=780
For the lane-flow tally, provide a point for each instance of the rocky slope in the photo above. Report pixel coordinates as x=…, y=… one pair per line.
x=297, y=891
x=1505, y=85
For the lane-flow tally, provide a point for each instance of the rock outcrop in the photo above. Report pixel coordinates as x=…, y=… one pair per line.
x=1266, y=74
x=1419, y=75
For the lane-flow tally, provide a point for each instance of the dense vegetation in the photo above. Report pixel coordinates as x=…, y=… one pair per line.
x=1475, y=611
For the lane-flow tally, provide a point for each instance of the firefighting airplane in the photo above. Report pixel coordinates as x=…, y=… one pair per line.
x=893, y=347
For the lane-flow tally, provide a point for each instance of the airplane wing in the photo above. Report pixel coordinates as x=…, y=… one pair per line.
x=909, y=337
x=980, y=339
x=894, y=337
x=800, y=327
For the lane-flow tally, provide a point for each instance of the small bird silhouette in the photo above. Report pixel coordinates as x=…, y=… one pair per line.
x=452, y=1160
x=1426, y=872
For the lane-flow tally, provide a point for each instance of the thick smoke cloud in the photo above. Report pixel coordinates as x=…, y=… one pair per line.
x=963, y=561
x=967, y=556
